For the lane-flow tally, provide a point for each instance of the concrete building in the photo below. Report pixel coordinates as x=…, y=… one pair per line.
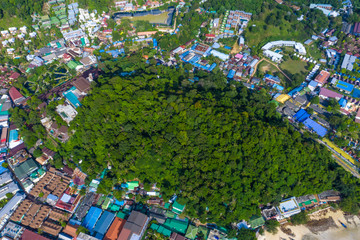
x=9, y=208
x=287, y=208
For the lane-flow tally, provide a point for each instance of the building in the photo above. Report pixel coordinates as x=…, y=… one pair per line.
x=344, y=86
x=115, y=229
x=91, y=218
x=12, y=230
x=177, y=207
x=272, y=79
x=29, y=235
x=322, y=77
x=84, y=236
x=104, y=223
x=357, y=118
x=82, y=85
x=287, y=208
x=25, y=169
x=356, y=30
x=312, y=85
x=16, y=96
x=274, y=56
x=9, y=208
x=176, y=225
x=329, y=196
x=307, y=201
x=348, y=62
x=326, y=94
x=134, y=227
x=5, y=178
x=298, y=46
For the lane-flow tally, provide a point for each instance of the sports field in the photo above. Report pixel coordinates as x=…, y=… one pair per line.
x=161, y=18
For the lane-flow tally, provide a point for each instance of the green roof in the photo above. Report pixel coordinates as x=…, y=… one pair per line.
x=191, y=232
x=309, y=202
x=114, y=207
x=177, y=207
x=100, y=201
x=164, y=231
x=256, y=221
x=121, y=215
x=105, y=204
x=25, y=168
x=176, y=225
x=132, y=185
x=167, y=205
x=44, y=18
x=154, y=226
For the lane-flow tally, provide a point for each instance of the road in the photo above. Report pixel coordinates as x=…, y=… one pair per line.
x=342, y=161
x=275, y=65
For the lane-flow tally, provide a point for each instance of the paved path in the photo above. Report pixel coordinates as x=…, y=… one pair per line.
x=275, y=65
x=342, y=161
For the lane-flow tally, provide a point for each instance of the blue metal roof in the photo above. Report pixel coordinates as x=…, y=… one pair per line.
x=14, y=135
x=70, y=96
x=104, y=222
x=91, y=218
x=301, y=115
x=345, y=86
x=312, y=125
x=231, y=74
x=294, y=91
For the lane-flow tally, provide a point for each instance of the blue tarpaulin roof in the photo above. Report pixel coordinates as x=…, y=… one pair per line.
x=231, y=74
x=301, y=115
x=294, y=91
x=311, y=124
x=91, y=218
x=154, y=42
x=104, y=222
x=342, y=102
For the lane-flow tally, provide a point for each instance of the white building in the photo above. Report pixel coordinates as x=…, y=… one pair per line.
x=298, y=46
x=220, y=55
x=287, y=208
x=9, y=208
x=274, y=56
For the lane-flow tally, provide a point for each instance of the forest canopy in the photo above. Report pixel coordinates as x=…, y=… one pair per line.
x=225, y=149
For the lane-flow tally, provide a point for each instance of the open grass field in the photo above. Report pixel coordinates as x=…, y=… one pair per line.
x=261, y=32
x=7, y=22
x=314, y=52
x=161, y=18
x=294, y=66
x=266, y=67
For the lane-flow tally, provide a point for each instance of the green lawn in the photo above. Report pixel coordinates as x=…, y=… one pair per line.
x=294, y=66
x=314, y=52
x=161, y=18
x=259, y=32
x=7, y=22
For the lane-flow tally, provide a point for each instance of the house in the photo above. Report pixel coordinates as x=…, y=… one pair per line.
x=177, y=207
x=84, y=236
x=307, y=201
x=29, y=235
x=256, y=221
x=329, y=196
x=272, y=79
x=25, y=169
x=312, y=85
x=287, y=208
x=269, y=213
x=88, y=61
x=115, y=229
x=176, y=236
x=14, y=76
x=326, y=94
x=176, y=225
x=104, y=223
x=5, y=178
x=60, y=133
x=134, y=227
x=322, y=77
x=16, y=96
x=12, y=230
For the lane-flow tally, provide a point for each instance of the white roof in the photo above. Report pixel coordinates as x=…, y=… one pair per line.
x=288, y=205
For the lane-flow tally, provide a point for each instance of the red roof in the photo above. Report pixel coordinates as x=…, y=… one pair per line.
x=210, y=35
x=28, y=235
x=15, y=94
x=14, y=75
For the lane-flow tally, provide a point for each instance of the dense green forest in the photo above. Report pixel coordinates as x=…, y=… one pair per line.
x=20, y=8
x=224, y=148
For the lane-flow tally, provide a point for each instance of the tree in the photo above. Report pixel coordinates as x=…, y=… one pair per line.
x=9, y=195
x=300, y=218
x=272, y=226
x=315, y=100
x=246, y=234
